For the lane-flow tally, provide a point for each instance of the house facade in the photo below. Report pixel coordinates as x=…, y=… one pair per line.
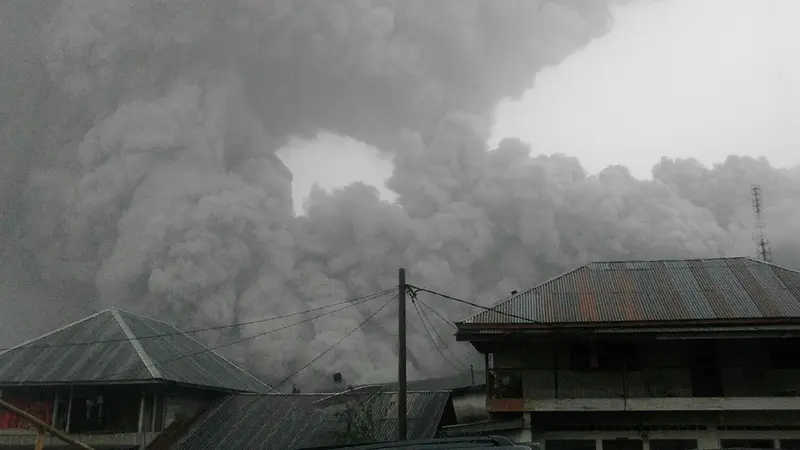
x=649, y=355
x=113, y=380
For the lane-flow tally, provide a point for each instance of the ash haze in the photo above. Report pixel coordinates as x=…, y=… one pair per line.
x=153, y=157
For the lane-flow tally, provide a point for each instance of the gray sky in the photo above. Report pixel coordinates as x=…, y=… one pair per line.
x=677, y=78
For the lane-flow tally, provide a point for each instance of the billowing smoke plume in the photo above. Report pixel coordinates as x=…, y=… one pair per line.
x=141, y=172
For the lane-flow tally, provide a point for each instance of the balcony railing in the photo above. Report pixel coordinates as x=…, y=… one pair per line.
x=514, y=389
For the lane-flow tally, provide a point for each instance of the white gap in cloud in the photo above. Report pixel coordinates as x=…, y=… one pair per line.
x=331, y=162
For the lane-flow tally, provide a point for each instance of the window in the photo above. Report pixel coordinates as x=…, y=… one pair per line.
x=580, y=356
x=747, y=443
x=569, y=444
x=619, y=356
x=673, y=444
x=786, y=354
x=106, y=411
x=622, y=444
x=791, y=444
x=610, y=356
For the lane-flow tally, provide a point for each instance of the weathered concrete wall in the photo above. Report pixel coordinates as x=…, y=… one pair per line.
x=470, y=407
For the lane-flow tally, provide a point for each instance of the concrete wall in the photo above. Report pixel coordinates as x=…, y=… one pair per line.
x=544, y=370
x=707, y=428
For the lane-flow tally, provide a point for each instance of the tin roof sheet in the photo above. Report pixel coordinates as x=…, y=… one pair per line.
x=642, y=291
x=118, y=346
x=291, y=421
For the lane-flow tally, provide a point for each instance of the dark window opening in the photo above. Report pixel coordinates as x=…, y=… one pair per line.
x=747, y=443
x=569, y=444
x=580, y=356
x=791, y=444
x=705, y=371
x=673, y=444
x=105, y=412
x=505, y=384
x=622, y=444
x=610, y=356
x=786, y=354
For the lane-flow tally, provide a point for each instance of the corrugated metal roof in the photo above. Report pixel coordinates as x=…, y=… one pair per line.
x=458, y=381
x=127, y=348
x=290, y=421
x=640, y=291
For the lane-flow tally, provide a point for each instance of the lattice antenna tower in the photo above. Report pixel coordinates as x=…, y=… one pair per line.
x=762, y=243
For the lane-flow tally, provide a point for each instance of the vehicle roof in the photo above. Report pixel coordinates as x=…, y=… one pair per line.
x=477, y=442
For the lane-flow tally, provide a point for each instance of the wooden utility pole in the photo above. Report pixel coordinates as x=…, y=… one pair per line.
x=402, y=386
x=42, y=426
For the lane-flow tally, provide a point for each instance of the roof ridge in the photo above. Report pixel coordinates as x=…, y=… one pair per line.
x=205, y=347
x=770, y=263
x=137, y=346
x=50, y=333
x=715, y=258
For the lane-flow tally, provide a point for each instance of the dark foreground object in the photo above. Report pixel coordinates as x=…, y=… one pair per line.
x=476, y=443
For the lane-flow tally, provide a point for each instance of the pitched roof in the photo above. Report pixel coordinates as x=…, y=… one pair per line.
x=720, y=289
x=290, y=421
x=115, y=346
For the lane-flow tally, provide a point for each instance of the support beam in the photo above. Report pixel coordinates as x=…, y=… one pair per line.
x=154, y=410
x=42, y=426
x=141, y=422
x=39, y=439
x=69, y=410
x=55, y=407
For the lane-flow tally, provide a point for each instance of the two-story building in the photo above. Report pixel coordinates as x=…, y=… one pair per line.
x=113, y=380
x=649, y=355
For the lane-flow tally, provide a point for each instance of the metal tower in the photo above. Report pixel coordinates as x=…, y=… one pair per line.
x=764, y=249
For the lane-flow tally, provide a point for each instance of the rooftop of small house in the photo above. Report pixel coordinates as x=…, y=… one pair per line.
x=292, y=421
x=649, y=296
x=119, y=347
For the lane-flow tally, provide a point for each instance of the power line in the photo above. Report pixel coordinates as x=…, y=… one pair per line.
x=462, y=359
x=475, y=305
x=337, y=342
x=255, y=336
x=436, y=312
x=212, y=328
x=422, y=318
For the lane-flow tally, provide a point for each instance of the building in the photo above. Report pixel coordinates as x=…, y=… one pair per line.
x=113, y=380
x=649, y=355
x=468, y=392
x=294, y=421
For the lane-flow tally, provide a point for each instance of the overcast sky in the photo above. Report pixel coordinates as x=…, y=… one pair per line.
x=678, y=78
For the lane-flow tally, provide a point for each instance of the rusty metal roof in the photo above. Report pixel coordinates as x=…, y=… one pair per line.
x=655, y=291
x=115, y=346
x=289, y=421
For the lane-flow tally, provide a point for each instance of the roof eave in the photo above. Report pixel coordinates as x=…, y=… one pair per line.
x=631, y=324
x=501, y=332
x=151, y=381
